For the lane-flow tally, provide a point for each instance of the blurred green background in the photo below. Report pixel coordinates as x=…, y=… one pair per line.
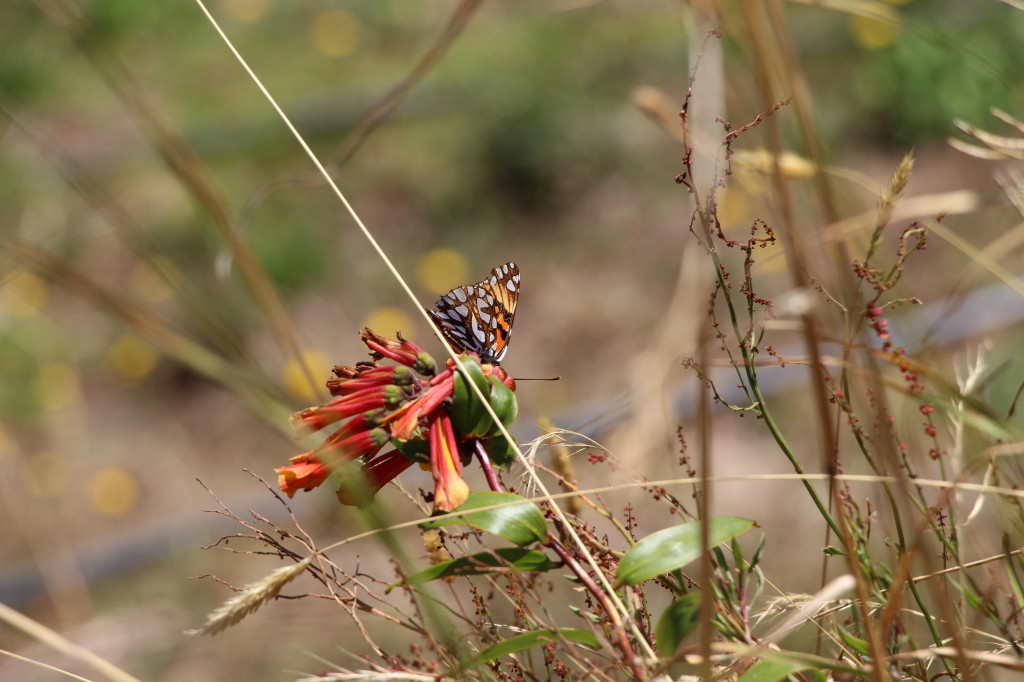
x=128, y=129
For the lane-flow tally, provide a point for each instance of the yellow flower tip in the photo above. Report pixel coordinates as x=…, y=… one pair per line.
x=450, y=493
x=300, y=427
x=284, y=482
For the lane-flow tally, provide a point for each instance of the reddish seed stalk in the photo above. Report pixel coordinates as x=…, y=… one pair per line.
x=621, y=639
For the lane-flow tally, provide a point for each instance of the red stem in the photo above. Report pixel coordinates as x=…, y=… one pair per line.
x=621, y=638
x=489, y=472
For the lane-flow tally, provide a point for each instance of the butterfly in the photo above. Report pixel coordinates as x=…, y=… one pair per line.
x=478, y=318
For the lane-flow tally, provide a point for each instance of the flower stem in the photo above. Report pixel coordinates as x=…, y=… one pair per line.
x=621, y=639
x=489, y=472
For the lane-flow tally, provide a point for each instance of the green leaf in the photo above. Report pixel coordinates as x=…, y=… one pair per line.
x=974, y=600
x=857, y=644
x=503, y=401
x=737, y=555
x=673, y=548
x=467, y=410
x=720, y=557
x=776, y=665
x=516, y=558
x=520, y=524
x=587, y=615
x=415, y=449
x=757, y=554
x=484, y=423
x=525, y=641
x=466, y=406
x=676, y=623
x=773, y=670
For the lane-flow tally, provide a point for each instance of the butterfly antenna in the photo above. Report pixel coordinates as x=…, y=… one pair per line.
x=536, y=379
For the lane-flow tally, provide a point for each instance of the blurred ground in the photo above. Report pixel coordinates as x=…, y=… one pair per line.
x=523, y=143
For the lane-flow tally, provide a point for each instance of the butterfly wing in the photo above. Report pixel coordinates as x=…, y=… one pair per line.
x=478, y=318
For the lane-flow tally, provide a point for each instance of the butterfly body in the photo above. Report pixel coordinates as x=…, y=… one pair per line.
x=478, y=318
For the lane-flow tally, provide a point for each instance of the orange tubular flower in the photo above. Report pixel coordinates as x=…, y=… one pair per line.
x=309, y=470
x=378, y=376
x=304, y=473
x=406, y=419
x=449, y=489
x=403, y=352
x=377, y=473
x=410, y=405
x=362, y=444
x=361, y=422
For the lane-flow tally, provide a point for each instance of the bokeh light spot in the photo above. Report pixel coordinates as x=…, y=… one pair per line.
x=295, y=379
x=148, y=284
x=131, y=358
x=387, y=321
x=872, y=33
x=441, y=270
x=335, y=33
x=113, y=492
x=246, y=11
x=56, y=386
x=46, y=475
x=24, y=294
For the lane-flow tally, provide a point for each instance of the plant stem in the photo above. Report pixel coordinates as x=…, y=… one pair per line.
x=489, y=472
x=621, y=639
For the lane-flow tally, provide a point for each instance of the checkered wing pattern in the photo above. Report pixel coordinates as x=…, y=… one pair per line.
x=478, y=318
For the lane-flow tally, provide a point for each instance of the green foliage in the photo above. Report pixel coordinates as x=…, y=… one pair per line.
x=854, y=643
x=520, y=524
x=676, y=622
x=931, y=76
x=292, y=254
x=528, y=640
x=523, y=137
x=673, y=548
x=468, y=413
x=483, y=563
x=469, y=416
x=778, y=668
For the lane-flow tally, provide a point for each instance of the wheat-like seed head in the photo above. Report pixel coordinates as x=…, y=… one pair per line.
x=891, y=195
x=250, y=598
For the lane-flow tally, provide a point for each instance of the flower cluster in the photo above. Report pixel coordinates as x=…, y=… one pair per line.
x=430, y=418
